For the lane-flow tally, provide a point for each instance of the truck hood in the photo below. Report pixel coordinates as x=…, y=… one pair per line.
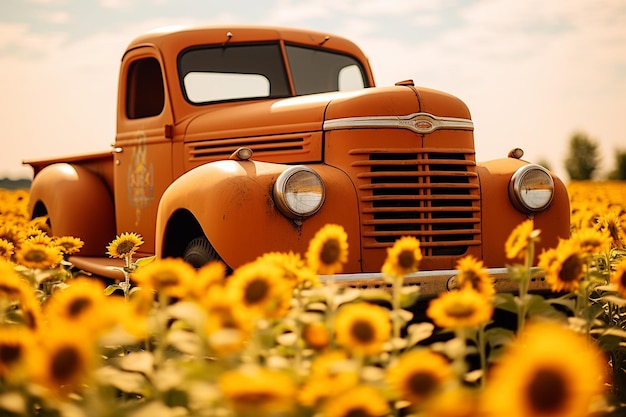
x=262, y=118
x=290, y=130
x=308, y=113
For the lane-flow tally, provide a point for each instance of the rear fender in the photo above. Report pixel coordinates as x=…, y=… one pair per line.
x=77, y=203
x=500, y=217
x=231, y=203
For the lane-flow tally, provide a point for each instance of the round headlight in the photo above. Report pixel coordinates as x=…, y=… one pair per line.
x=299, y=192
x=531, y=188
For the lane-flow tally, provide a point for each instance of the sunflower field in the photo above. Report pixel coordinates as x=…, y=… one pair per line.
x=280, y=337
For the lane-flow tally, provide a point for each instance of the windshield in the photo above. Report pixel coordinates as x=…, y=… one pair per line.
x=236, y=72
x=317, y=71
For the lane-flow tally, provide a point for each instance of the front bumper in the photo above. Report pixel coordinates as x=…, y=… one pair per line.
x=432, y=283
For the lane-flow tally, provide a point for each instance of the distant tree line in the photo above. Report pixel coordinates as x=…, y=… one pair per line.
x=10, y=184
x=583, y=159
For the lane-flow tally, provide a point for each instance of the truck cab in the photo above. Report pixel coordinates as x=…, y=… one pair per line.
x=236, y=141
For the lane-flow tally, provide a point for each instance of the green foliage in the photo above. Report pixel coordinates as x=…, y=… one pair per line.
x=582, y=159
x=619, y=173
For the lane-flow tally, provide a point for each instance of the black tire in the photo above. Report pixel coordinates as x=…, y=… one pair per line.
x=199, y=252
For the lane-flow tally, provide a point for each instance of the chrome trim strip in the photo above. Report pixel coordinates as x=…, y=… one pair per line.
x=417, y=122
x=432, y=283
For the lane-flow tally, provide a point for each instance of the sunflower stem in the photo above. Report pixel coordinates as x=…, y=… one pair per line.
x=395, y=322
x=523, y=293
x=331, y=309
x=482, y=351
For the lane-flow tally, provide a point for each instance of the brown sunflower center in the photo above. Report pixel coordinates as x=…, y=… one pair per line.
x=406, y=259
x=125, y=247
x=78, y=305
x=547, y=392
x=10, y=353
x=422, y=383
x=460, y=310
x=35, y=255
x=256, y=291
x=363, y=331
x=9, y=290
x=571, y=268
x=330, y=251
x=357, y=412
x=65, y=363
x=167, y=278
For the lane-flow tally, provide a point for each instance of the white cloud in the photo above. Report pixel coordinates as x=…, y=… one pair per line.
x=57, y=17
x=115, y=4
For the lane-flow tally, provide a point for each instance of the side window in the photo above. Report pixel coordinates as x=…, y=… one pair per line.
x=145, y=94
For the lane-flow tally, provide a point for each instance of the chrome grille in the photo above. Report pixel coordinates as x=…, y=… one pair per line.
x=429, y=194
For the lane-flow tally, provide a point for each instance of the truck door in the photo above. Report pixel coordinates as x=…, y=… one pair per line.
x=143, y=146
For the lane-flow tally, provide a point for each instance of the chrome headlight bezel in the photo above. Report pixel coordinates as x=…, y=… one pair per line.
x=299, y=192
x=531, y=188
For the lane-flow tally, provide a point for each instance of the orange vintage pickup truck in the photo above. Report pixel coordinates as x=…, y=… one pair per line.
x=236, y=141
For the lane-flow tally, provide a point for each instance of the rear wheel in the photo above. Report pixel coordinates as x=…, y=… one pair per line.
x=199, y=252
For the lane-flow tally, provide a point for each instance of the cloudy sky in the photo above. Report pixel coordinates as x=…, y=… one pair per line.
x=532, y=72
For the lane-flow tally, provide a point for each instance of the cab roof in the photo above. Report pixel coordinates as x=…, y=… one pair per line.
x=172, y=39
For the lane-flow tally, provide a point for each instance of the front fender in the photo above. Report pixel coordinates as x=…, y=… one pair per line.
x=77, y=202
x=500, y=217
x=232, y=201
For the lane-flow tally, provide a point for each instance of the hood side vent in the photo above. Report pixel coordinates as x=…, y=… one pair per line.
x=263, y=147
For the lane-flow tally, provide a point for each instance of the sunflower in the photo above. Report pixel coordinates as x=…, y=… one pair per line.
x=169, y=276
x=17, y=350
x=519, y=239
x=294, y=268
x=68, y=358
x=618, y=277
x=38, y=256
x=12, y=233
x=547, y=259
x=362, y=328
x=567, y=269
x=30, y=310
x=7, y=249
x=36, y=235
x=210, y=274
x=227, y=327
x=258, y=391
x=328, y=250
x=549, y=372
x=12, y=285
x=331, y=373
x=473, y=273
x=403, y=257
x=26, y=307
x=259, y=288
x=592, y=241
x=612, y=224
x=361, y=401
x=457, y=309
x=134, y=314
x=83, y=304
x=419, y=375
x=41, y=223
x=69, y=245
x=124, y=246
